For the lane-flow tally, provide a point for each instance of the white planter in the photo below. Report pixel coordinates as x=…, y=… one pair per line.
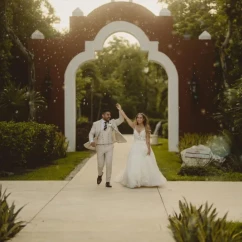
x=154, y=139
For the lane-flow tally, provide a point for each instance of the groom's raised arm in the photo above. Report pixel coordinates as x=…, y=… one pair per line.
x=120, y=119
x=92, y=133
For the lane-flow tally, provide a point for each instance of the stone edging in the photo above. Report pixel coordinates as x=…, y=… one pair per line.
x=78, y=168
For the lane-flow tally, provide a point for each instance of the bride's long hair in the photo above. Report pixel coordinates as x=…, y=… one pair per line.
x=145, y=122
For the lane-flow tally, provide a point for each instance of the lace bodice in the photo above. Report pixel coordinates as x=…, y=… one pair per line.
x=139, y=136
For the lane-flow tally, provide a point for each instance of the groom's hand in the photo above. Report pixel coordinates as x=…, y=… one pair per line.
x=93, y=144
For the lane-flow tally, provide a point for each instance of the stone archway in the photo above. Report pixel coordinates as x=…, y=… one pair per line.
x=153, y=55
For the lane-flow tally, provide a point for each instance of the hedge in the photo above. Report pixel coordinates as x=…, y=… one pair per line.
x=82, y=132
x=29, y=144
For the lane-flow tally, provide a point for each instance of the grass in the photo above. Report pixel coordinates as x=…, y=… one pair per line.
x=170, y=164
x=58, y=170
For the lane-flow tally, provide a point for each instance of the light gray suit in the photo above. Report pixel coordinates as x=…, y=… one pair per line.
x=105, y=140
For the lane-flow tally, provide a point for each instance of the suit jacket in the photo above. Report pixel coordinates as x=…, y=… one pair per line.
x=97, y=128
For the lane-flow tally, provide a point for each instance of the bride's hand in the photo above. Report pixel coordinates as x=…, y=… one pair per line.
x=149, y=151
x=118, y=106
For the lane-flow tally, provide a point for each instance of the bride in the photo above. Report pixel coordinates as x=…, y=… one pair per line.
x=141, y=168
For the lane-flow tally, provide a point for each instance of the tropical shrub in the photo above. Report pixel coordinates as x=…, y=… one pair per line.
x=29, y=144
x=82, y=132
x=224, y=144
x=17, y=101
x=82, y=120
x=165, y=130
x=188, y=140
x=8, y=225
x=209, y=170
x=201, y=224
x=229, y=114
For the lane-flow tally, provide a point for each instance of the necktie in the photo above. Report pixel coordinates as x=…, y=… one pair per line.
x=105, y=125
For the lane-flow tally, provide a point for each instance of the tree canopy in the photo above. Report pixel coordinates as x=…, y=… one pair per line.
x=118, y=75
x=222, y=19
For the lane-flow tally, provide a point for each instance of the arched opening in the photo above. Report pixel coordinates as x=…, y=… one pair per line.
x=151, y=47
x=121, y=73
x=122, y=35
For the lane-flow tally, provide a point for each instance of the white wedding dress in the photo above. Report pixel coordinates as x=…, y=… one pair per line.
x=141, y=169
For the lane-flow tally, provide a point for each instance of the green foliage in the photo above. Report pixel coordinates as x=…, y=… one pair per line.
x=82, y=131
x=223, y=20
x=188, y=140
x=82, y=120
x=170, y=165
x=236, y=225
x=165, y=130
x=60, y=146
x=5, y=48
x=81, y=86
x=220, y=18
x=12, y=101
x=153, y=122
x=193, y=17
x=200, y=171
x=223, y=144
x=117, y=75
x=15, y=15
x=23, y=23
x=29, y=145
x=233, y=163
x=5, y=56
x=201, y=224
x=15, y=102
x=8, y=225
x=229, y=114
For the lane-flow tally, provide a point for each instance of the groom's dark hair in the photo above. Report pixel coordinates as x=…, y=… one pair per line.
x=105, y=111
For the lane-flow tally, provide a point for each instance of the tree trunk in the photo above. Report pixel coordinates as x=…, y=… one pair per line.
x=3, y=12
x=79, y=112
x=91, y=119
x=99, y=108
x=4, y=46
x=27, y=55
x=146, y=94
x=223, y=53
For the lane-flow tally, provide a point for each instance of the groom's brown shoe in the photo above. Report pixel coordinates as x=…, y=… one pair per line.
x=108, y=184
x=99, y=179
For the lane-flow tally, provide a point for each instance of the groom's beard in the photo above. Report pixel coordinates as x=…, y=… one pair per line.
x=107, y=120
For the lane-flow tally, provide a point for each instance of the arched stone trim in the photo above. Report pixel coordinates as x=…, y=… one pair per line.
x=154, y=55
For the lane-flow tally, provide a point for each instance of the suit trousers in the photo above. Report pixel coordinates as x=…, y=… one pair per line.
x=105, y=156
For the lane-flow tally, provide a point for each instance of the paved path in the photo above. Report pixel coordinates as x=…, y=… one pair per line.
x=80, y=210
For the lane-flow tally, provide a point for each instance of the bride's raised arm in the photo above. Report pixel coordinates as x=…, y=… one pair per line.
x=131, y=124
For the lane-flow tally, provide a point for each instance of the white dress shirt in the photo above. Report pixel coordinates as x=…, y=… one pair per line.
x=103, y=123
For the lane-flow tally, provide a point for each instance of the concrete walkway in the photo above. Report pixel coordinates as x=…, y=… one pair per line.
x=80, y=210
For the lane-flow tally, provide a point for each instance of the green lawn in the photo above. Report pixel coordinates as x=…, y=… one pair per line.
x=59, y=170
x=169, y=164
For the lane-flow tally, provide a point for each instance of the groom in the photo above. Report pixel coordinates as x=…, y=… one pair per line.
x=106, y=133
